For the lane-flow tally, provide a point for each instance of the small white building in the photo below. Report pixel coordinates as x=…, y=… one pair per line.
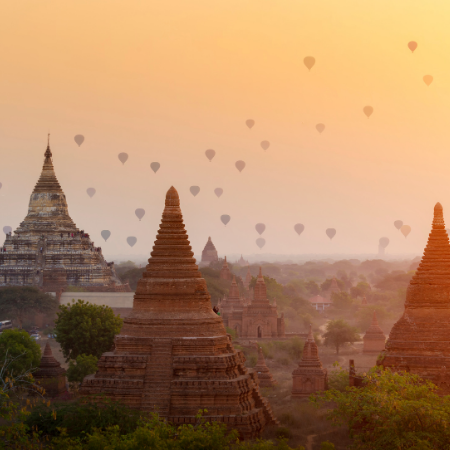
x=320, y=303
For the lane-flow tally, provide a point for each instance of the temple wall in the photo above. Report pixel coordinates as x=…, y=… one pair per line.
x=112, y=299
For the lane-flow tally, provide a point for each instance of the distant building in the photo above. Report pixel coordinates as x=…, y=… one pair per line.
x=252, y=317
x=242, y=262
x=320, y=303
x=225, y=272
x=374, y=339
x=209, y=253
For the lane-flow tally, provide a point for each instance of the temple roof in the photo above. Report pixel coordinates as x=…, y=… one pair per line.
x=171, y=298
x=435, y=265
x=374, y=328
x=49, y=366
x=47, y=181
x=260, y=288
x=209, y=245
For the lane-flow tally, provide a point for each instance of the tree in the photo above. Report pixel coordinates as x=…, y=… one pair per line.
x=392, y=411
x=20, y=351
x=338, y=333
x=83, y=328
x=84, y=365
x=360, y=290
x=325, y=286
x=18, y=302
x=341, y=300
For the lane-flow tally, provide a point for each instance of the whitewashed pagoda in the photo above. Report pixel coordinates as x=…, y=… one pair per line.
x=48, y=251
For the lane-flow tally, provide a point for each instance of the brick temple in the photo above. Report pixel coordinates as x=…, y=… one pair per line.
x=47, y=250
x=254, y=316
x=309, y=376
x=420, y=340
x=209, y=253
x=374, y=339
x=173, y=355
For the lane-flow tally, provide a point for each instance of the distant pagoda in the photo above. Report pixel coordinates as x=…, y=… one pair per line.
x=209, y=253
x=419, y=341
x=374, y=339
x=173, y=355
x=47, y=250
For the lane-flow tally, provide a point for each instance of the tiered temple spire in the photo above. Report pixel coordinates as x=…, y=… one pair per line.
x=50, y=375
x=173, y=355
x=264, y=376
x=310, y=376
x=419, y=341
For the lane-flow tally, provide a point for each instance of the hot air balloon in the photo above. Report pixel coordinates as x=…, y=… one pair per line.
x=384, y=242
x=91, y=192
x=131, y=240
x=218, y=191
x=79, y=139
x=398, y=224
x=210, y=153
x=368, y=110
x=309, y=62
x=260, y=227
x=427, y=79
x=405, y=229
x=105, y=234
x=240, y=165
x=320, y=127
x=299, y=227
x=225, y=219
x=7, y=230
x=265, y=145
x=155, y=166
x=194, y=190
x=140, y=213
x=412, y=46
x=123, y=157
x=250, y=123
x=260, y=242
x=330, y=232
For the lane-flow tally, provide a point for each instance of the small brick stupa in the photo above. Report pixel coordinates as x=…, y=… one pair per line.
x=310, y=376
x=173, y=355
x=50, y=375
x=374, y=339
x=264, y=376
x=419, y=341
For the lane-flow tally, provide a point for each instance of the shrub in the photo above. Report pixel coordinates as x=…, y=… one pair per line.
x=283, y=433
x=84, y=365
x=338, y=378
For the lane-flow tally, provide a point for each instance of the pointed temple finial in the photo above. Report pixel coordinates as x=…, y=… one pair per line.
x=48, y=349
x=260, y=272
x=310, y=334
x=48, y=152
x=438, y=219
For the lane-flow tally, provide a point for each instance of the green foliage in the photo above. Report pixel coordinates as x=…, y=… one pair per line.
x=217, y=288
x=341, y=300
x=232, y=333
x=392, y=411
x=327, y=446
x=83, y=416
x=312, y=288
x=338, y=333
x=84, y=365
x=395, y=280
x=132, y=276
x=83, y=328
x=19, y=345
x=291, y=349
x=338, y=378
x=283, y=433
x=360, y=290
x=18, y=302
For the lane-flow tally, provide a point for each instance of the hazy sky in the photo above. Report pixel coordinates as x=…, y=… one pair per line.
x=164, y=81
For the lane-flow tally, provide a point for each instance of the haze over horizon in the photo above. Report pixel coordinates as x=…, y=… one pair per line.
x=166, y=82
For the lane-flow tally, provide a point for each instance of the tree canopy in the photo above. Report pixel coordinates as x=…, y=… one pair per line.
x=84, y=328
x=83, y=365
x=392, y=411
x=18, y=302
x=20, y=350
x=338, y=333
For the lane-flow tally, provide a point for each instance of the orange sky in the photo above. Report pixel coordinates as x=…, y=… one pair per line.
x=164, y=81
